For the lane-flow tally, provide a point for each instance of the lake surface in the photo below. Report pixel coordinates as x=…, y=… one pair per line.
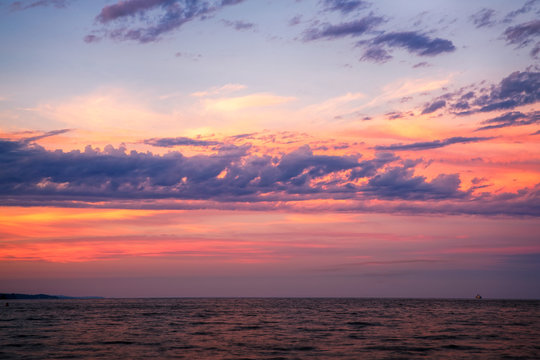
x=269, y=328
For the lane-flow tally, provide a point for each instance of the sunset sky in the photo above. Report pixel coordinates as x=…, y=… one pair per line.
x=155, y=148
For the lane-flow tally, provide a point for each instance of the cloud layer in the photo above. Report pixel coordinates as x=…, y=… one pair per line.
x=236, y=178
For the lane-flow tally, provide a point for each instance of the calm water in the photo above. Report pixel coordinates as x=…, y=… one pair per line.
x=270, y=329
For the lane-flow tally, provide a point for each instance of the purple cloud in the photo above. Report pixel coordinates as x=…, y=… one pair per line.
x=416, y=43
x=239, y=25
x=526, y=8
x=427, y=145
x=352, y=28
x=149, y=19
x=483, y=18
x=400, y=183
x=233, y=178
x=514, y=118
x=345, y=6
x=517, y=89
x=376, y=54
x=523, y=34
x=179, y=141
x=24, y=5
x=434, y=106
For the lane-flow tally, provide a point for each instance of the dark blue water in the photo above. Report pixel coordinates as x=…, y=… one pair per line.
x=270, y=329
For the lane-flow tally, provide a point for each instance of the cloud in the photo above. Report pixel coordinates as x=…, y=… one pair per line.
x=352, y=28
x=526, y=8
x=514, y=118
x=179, y=141
x=400, y=183
x=483, y=18
x=415, y=43
x=376, y=54
x=24, y=5
x=434, y=106
x=345, y=6
x=239, y=25
x=114, y=174
x=517, y=89
x=234, y=178
x=523, y=34
x=427, y=145
x=421, y=64
x=47, y=134
x=148, y=20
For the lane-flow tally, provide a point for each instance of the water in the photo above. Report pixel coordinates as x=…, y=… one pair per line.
x=270, y=329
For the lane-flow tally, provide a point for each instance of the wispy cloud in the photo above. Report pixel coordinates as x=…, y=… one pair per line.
x=179, y=141
x=428, y=145
x=24, y=5
x=352, y=28
x=148, y=20
x=513, y=118
x=483, y=18
x=414, y=42
x=517, y=89
x=345, y=6
x=524, y=34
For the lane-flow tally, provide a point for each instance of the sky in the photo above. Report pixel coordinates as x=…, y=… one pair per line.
x=169, y=148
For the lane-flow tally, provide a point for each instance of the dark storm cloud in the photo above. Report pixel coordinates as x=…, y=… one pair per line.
x=179, y=141
x=345, y=6
x=427, y=145
x=152, y=18
x=352, y=28
x=513, y=118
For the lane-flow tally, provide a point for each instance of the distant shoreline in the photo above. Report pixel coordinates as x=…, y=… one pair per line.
x=14, y=296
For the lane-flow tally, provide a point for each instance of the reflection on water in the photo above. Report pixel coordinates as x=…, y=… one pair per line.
x=269, y=329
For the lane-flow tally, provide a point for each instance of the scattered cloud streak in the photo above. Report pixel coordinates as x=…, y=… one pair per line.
x=352, y=28
x=435, y=144
x=179, y=141
x=517, y=89
x=345, y=6
x=239, y=25
x=434, y=106
x=513, y=118
x=483, y=18
x=524, y=34
x=24, y=5
x=415, y=43
x=150, y=19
